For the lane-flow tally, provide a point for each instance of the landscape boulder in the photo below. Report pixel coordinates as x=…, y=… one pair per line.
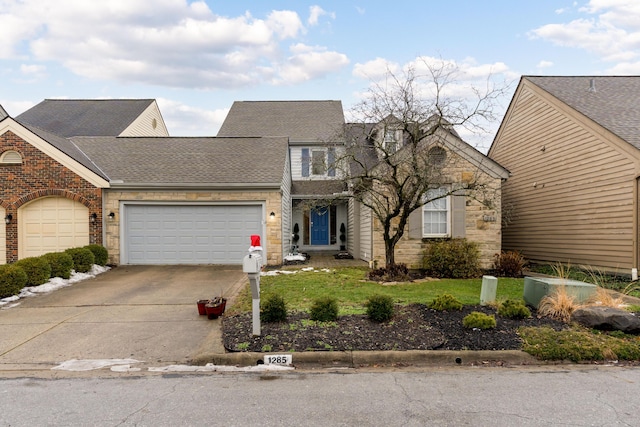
x=607, y=318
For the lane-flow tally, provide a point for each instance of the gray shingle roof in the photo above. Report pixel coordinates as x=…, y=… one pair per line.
x=84, y=117
x=188, y=160
x=67, y=147
x=301, y=121
x=3, y=113
x=614, y=104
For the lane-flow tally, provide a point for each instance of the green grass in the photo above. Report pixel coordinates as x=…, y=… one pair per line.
x=579, y=344
x=349, y=287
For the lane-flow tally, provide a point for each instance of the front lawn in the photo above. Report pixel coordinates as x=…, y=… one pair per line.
x=349, y=287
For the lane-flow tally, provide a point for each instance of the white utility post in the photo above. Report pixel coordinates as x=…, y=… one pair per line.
x=252, y=265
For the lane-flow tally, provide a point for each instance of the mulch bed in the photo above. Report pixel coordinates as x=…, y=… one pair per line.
x=413, y=327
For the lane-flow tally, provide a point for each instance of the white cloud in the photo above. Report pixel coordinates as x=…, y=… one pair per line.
x=544, y=64
x=185, y=120
x=315, y=12
x=611, y=30
x=180, y=44
x=309, y=62
x=375, y=69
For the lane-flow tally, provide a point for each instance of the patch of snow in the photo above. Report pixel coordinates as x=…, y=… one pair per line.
x=92, y=364
x=210, y=367
x=292, y=257
x=54, y=284
x=305, y=269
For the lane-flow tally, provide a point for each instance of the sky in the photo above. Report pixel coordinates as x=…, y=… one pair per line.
x=197, y=57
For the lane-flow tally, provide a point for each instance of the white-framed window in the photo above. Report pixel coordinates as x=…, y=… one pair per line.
x=436, y=215
x=390, y=141
x=318, y=162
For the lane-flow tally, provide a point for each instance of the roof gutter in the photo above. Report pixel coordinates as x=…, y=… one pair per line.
x=120, y=185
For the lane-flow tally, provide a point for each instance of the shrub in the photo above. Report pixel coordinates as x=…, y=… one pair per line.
x=12, y=280
x=274, y=309
x=445, y=302
x=37, y=268
x=559, y=305
x=514, y=309
x=324, y=309
x=83, y=259
x=100, y=254
x=395, y=273
x=509, y=264
x=479, y=320
x=379, y=308
x=455, y=259
x=61, y=264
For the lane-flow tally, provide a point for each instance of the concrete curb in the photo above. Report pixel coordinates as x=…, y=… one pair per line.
x=355, y=359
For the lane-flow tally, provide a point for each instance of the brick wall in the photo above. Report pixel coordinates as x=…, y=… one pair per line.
x=41, y=176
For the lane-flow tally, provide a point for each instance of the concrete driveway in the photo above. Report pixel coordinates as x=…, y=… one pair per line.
x=147, y=313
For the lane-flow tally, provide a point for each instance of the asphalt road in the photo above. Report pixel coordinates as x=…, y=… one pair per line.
x=535, y=396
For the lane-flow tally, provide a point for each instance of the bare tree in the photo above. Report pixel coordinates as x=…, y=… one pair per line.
x=403, y=152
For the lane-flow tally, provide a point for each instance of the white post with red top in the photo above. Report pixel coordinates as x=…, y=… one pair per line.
x=252, y=265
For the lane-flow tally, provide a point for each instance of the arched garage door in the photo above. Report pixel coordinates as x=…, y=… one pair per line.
x=52, y=224
x=3, y=237
x=189, y=234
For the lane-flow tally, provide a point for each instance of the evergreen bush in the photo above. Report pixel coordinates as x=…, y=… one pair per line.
x=12, y=280
x=379, y=308
x=274, y=309
x=479, y=320
x=324, y=309
x=83, y=259
x=37, y=268
x=513, y=309
x=445, y=302
x=454, y=259
x=100, y=254
x=61, y=264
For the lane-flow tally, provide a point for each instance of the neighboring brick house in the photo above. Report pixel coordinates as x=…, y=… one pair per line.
x=572, y=145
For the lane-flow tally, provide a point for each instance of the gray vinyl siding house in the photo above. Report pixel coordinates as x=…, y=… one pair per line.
x=572, y=146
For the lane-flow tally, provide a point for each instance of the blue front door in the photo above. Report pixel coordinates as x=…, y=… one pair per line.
x=320, y=226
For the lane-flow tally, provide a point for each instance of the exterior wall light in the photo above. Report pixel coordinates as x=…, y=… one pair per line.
x=93, y=217
x=112, y=216
x=8, y=218
x=272, y=215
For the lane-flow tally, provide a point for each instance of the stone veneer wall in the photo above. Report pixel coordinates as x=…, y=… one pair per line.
x=271, y=199
x=487, y=234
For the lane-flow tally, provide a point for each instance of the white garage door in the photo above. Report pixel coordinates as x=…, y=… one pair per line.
x=52, y=224
x=3, y=237
x=191, y=234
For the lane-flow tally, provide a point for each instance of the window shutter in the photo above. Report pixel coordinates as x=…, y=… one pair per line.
x=458, y=221
x=415, y=224
x=331, y=158
x=305, y=162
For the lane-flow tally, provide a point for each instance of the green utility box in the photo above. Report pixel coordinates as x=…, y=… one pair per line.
x=536, y=288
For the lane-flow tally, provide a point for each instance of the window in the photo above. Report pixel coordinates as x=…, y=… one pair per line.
x=437, y=156
x=436, y=214
x=318, y=166
x=319, y=162
x=11, y=157
x=390, y=141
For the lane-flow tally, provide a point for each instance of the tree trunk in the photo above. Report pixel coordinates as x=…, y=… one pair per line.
x=389, y=252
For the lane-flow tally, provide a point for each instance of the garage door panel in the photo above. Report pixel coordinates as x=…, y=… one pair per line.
x=52, y=224
x=193, y=234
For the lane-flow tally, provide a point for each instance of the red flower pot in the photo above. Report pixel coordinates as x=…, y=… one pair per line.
x=215, y=308
x=201, y=306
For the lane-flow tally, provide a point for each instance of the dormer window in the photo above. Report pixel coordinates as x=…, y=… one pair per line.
x=390, y=141
x=10, y=158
